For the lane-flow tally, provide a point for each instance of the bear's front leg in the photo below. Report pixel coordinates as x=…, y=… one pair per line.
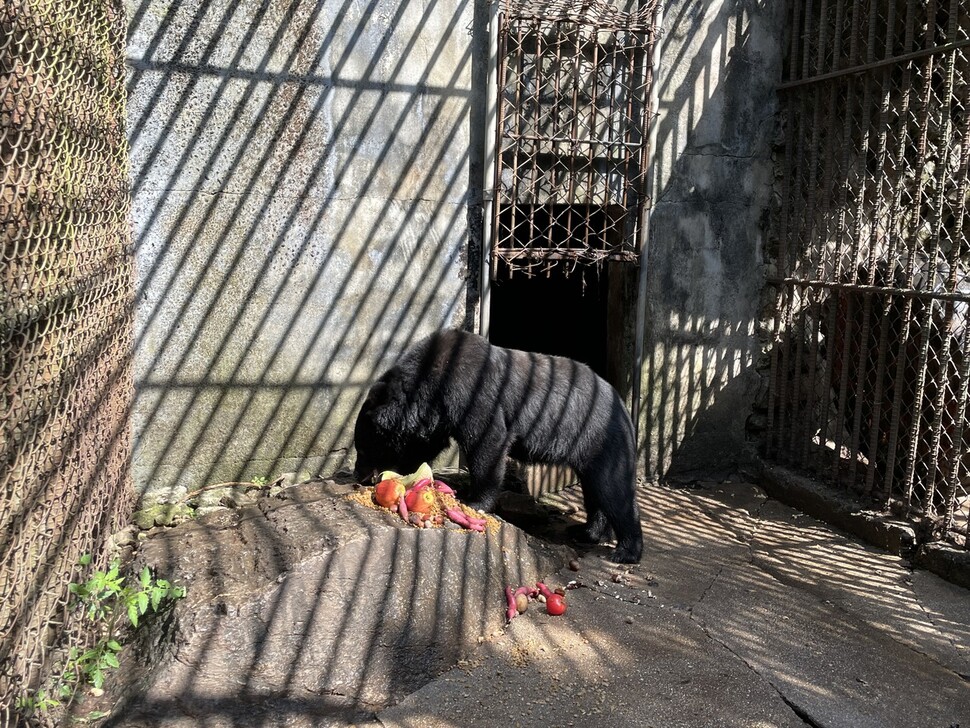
x=486, y=464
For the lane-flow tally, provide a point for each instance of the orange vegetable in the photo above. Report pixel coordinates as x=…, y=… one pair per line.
x=388, y=492
x=420, y=500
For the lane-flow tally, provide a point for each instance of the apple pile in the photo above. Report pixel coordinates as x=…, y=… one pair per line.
x=423, y=501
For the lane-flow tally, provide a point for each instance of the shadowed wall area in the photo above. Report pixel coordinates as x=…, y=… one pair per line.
x=301, y=186
x=712, y=185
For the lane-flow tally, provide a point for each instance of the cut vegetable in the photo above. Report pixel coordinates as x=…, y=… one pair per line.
x=443, y=487
x=388, y=492
x=511, y=611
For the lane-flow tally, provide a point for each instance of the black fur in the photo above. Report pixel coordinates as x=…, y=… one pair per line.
x=498, y=402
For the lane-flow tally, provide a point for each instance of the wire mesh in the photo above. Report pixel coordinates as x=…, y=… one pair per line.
x=66, y=310
x=572, y=133
x=872, y=355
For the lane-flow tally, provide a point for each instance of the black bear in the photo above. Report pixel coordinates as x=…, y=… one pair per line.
x=497, y=402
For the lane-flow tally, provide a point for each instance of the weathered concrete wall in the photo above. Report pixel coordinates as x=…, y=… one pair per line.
x=306, y=179
x=301, y=176
x=720, y=63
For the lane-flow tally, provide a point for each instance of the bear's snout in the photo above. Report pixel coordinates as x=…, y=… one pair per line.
x=365, y=475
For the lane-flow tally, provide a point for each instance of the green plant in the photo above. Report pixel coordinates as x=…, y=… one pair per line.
x=110, y=601
x=29, y=704
x=106, y=599
x=259, y=481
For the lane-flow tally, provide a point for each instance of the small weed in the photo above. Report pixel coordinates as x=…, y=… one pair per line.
x=30, y=704
x=259, y=481
x=106, y=599
x=110, y=601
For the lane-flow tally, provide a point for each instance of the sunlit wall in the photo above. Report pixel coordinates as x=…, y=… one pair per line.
x=301, y=180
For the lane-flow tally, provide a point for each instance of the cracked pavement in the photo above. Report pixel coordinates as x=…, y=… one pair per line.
x=744, y=612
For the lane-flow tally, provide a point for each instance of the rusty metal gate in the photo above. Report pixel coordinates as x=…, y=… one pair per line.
x=871, y=358
x=572, y=132
x=65, y=326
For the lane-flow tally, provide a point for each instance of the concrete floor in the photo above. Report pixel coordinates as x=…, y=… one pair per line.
x=744, y=612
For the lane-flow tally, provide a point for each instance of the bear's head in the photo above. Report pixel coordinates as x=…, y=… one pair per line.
x=388, y=434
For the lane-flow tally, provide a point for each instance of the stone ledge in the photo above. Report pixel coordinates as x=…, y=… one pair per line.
x=852, y=516
x=950, y=563
x=307, y=595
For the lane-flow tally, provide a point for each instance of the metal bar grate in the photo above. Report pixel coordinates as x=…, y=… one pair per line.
x=868, y=383
x=572, y=133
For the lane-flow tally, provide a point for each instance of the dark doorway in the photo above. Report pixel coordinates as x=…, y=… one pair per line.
x=554, y=313
x=586, y=314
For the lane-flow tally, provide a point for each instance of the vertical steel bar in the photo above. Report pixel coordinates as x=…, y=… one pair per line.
x=817, y=237
x=498, y=203
x=776, y=402
x=639, y=70
x=537, y=141
x=840, y=420
x=593, y=138
x=932, y=256
x=858, y=164
x=648, y=180
x=956, y=271
x=944, y=416
x=875, y=240
x=511, y=206
x=957, y=462
x=794, y=366
x=574, y=125
x=898, y=241
x=557, y=129
x=489, y=169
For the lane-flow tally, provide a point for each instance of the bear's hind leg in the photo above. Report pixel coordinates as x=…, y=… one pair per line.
x=612, y=486
x=596, y=526
x=624, y=516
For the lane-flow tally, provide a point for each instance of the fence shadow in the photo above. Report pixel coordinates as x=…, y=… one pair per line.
x=306, y=196
x=713, y=182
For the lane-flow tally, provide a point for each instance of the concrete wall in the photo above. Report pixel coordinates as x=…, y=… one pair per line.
x=306, y=179
x=712, y=181
x=302, y=184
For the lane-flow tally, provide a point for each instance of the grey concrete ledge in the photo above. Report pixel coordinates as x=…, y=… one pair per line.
x=853, y=516
x=950, y=563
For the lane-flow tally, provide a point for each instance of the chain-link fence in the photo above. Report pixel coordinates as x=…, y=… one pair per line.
x=572, y=133
x=65, y=327
x=871, y=362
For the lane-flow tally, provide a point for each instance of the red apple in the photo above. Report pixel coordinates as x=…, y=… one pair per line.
x=420, y=499
x=388, y=492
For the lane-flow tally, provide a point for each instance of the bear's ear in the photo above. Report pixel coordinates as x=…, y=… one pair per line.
x=385, y=402
x=377, y=395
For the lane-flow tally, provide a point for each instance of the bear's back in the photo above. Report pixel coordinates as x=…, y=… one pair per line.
x=545, y=401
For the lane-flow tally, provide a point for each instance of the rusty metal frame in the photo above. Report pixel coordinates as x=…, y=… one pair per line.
x=871, y=337
x=571, y=137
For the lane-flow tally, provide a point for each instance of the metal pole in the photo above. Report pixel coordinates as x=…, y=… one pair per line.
x=652, y=185
x=488, y=171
